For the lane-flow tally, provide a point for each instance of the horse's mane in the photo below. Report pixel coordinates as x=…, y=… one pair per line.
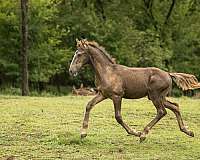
x=100, y=48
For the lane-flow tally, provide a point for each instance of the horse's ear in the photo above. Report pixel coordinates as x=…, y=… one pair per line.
x=77, y=40
x=84, y=43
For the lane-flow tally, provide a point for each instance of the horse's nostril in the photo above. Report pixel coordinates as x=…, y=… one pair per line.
x=70, y=71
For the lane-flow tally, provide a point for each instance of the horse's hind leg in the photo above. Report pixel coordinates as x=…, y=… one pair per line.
x=175, y=108
x=161, y=112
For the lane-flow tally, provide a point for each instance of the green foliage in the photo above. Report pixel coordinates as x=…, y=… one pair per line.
x=186, y=45
x=136, y=33
x=9, y=41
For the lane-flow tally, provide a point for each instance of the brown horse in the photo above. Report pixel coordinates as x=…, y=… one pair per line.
x=116, y=81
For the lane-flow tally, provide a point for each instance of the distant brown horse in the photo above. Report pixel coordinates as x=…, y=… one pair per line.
x=116, y=81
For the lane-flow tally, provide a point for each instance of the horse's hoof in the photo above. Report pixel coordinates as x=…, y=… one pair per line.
x=191, y=134
x=83, y=135
x=142, y=138
x=138, y=134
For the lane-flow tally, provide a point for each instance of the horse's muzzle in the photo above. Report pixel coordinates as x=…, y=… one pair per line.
x=73, y=73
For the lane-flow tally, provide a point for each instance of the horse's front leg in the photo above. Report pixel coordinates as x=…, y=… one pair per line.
x=98, y=98
x=117, y=105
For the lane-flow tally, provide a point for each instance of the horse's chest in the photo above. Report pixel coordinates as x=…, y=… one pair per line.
x=111, y=86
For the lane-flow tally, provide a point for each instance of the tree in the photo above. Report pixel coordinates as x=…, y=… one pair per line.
x=24, y=47
x=160, y=33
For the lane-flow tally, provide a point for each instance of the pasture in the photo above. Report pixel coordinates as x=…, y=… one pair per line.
x=47, y=128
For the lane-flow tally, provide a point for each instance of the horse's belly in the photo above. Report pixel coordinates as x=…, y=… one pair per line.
x=133, y=95
x=135, y=92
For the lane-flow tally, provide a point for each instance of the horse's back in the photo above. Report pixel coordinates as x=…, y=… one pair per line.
x=134, y=80
x=138, y=82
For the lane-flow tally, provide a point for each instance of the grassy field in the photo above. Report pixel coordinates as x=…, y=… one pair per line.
x=47, y=128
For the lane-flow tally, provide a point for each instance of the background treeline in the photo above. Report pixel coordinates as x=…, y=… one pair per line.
x=160, y=33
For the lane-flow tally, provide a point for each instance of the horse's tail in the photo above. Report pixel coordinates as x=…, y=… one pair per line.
x=185, y=81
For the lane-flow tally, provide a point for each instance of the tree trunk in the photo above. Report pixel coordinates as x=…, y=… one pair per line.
x=24, y=46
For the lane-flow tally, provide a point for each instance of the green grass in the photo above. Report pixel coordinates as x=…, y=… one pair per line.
x=48, y=128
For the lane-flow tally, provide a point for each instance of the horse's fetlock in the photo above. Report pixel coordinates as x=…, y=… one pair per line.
x=146, y=130
x=85, y=125
x=183, y=129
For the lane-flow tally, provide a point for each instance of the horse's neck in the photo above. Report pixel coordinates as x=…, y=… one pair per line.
x=100, y=64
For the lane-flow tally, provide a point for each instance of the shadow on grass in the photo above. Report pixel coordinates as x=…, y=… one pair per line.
x=68, y=138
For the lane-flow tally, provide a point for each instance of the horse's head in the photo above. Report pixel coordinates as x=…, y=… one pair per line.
x=81, y=57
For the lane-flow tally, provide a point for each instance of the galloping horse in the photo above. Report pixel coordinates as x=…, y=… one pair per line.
x=116, y=81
